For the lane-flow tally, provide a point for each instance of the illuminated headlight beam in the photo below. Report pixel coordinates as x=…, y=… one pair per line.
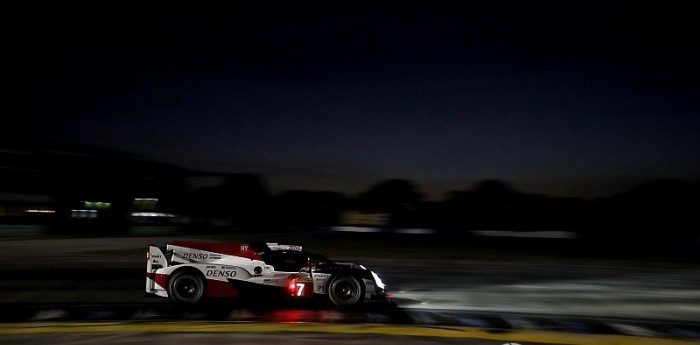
x=378, y=280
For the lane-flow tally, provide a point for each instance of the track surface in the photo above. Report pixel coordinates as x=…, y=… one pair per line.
x=102, y=279
x=113, y=333
x=83, y=271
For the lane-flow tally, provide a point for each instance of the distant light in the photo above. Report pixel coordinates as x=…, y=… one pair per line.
x=39, y=211
x=416, y=231
x=526, y=234
x=152, y=214
x=146, y=199
x=100, y=205
x=354, y=229
x=145, y=204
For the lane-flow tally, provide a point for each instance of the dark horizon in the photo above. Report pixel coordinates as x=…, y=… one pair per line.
x=64, y=189
x=42, y=159
x=575, y=99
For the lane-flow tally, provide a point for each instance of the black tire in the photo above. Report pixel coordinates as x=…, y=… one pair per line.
x=186, y=287
x=346, y=291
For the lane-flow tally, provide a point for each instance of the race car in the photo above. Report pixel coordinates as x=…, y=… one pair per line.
x=190, y=272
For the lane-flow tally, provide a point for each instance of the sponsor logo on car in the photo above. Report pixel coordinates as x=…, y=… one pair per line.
x=220, y=274
x=320, y=282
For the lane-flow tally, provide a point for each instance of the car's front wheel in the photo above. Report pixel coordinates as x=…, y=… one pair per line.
x=186, y=287
x=345, y=291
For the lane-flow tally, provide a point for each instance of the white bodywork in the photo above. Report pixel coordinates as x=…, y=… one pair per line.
x=189, y=271
x=218, y=267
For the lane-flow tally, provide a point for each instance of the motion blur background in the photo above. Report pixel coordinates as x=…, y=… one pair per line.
x=522, y=131
x=69, y=190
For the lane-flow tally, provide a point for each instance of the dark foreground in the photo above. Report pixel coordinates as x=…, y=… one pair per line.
x=306, y=333
x=495, y=322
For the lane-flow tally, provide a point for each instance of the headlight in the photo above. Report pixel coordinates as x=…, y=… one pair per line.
x=378, y=280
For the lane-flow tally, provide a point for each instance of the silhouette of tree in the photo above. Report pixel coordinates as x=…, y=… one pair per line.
x=495, y=205
x=495, y=191
x=656, y=211
x=241, y=199
x=305, y=210
x=391, y=195
x=398, y=197
x=247, y=200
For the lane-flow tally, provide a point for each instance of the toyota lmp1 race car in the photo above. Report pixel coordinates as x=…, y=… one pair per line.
x=190, y=272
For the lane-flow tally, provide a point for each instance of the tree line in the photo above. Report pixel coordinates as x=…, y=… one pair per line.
x=68, y=178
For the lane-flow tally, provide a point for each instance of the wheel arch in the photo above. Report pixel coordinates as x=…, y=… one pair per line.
x=191, y=270
x=338, y=300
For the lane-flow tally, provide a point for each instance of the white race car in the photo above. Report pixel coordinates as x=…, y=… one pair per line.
x=190, y=272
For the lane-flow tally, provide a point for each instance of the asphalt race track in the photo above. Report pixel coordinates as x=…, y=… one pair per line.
x=101, y=280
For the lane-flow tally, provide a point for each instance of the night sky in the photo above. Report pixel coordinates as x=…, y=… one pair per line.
x=574, y=99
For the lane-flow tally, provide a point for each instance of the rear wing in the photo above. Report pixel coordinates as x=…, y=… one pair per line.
x=157, y=258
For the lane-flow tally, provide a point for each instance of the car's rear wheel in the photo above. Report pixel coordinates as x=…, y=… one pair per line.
x=186, y=287
x=345, y=291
